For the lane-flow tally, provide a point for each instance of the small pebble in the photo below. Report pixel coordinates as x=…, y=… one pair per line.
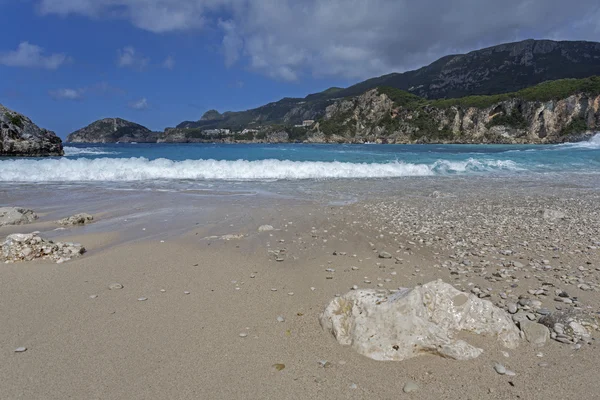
x=243, y=334
x=410, y=387
x=280, y=319
x=93, y=296
x=142, y=299
x=115, y=286
x=186, y=292
x=20, y=349
x=500, y=369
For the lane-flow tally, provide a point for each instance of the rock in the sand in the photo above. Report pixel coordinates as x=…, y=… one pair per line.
x=16, y=216
x=385, y=254
x=410, y=322
x=410, y=387
x=536, y=334
x=552, y=215
x=265, y=228
x=27, y=247
x=115, y=286
x=77, y=219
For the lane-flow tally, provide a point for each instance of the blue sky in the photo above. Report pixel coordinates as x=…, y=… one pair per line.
x=66, y=63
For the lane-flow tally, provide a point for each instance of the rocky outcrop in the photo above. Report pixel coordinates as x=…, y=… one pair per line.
x=374, y=117
x=77, y=219
x=112, y=130
x=27, y=247
x=16, y=216
x=19, y=136
x=411, y=322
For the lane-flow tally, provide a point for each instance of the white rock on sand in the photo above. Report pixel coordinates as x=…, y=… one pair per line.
x=77, y=219
x=16, y=216
x=398, y=326
x=265, y=228
x=27, y=247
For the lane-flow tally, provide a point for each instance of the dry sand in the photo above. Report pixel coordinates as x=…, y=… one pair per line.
x=188, y=346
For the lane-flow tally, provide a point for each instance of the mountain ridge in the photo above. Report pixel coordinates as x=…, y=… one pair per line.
x=502, y=68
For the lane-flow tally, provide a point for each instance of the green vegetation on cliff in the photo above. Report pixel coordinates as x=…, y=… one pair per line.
x=552, y=90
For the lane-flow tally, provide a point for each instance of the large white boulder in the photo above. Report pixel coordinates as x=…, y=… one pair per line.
x=16, y=216
x=397, y=326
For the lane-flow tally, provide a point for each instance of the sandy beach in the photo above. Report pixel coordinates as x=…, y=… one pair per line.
x=225, y=302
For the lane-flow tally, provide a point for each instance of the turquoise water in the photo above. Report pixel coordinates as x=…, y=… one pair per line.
x=258, y=162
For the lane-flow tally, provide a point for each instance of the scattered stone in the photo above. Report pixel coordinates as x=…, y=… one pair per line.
x=265, y=228
x=116, y=286
x=500, y=369
x=20, y=349
x=77, y=219
x=552, y=215
x=410, y=387
x=278, y=367
x=186, y=292
x=411, y=322
x=142, y=299
x=16, y=216
x=536, y=334
x=93, y=296
x=27, y=247
x=385, y=254
x=243, y=334
x=280, y=319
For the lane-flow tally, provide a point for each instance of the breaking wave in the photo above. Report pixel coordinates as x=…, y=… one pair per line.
x=141, y=169
x=593, y=143
x=85, y=151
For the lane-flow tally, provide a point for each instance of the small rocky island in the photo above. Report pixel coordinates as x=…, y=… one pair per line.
x=20, y=137
x=113, y=130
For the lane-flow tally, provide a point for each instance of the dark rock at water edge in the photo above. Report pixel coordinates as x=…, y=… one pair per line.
x=20, y=137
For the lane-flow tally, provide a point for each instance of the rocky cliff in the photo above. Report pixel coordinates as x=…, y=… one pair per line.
x=19, y=136
x=375, y=117
x=112, y=130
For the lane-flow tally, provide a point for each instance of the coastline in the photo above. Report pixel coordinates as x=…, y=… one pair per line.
x=178, y=345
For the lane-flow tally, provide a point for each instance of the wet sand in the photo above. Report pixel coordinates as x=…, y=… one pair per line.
x=188, y=346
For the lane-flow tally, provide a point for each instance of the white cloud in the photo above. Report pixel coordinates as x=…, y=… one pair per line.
x=169, y=63
x=101, y=88
x=286, y=39
x=141, y=104
x=129, y=57
x=67, y=94
x=31, y=56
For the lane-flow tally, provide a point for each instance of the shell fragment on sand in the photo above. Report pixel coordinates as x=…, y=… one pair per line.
x=397, y=326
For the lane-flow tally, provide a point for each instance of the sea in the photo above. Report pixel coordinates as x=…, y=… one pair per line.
x=202, y=163
x=169, y=182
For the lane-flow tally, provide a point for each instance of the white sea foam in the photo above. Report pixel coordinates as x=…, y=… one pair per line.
x=84, y=151
x=140, y=169
x=592, y=143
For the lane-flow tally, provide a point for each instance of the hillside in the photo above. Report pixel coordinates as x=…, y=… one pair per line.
x=499, y=69
x=112, y=130
x=19, y=136
x=551, y=112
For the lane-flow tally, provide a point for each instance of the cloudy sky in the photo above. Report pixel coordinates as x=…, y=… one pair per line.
x=66, y=63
